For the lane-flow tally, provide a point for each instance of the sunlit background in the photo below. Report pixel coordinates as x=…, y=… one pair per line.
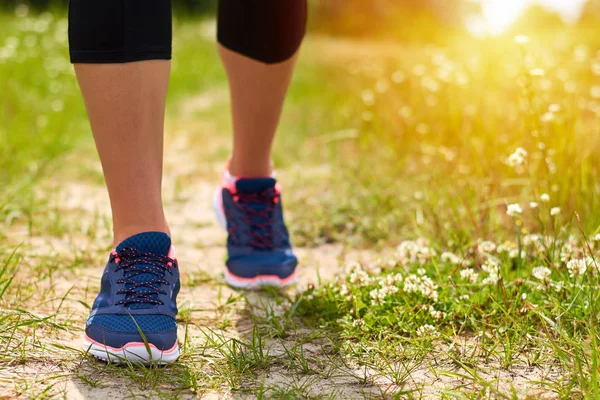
x=499, y=15
x=460, y=137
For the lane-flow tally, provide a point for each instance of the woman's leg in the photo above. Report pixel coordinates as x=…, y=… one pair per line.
x=121, y=51
x=259, y=41
x=126, y=104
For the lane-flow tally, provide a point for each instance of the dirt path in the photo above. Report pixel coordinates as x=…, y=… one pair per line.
x=83, y=209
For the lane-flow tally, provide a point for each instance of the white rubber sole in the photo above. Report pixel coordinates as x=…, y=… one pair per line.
x=237, y=282
x=135, y=353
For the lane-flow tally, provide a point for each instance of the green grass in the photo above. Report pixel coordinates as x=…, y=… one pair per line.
x=401, y=150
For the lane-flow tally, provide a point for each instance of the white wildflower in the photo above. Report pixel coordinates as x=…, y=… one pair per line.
x=517, y=157
x=513, y=210
x=521, y=39
x=368, y=97
x=545, y=197
x=469, y=274
x=464, y=297
x=344, y=291
x=493, y=271
x=558, y=286
x=537, y=72
x=555, y=211
x=533, y=204
x=398, y=77
x=417, y=251
x=451, y=258
x=421, y=284
x=554, y=108
x=548, y=117
x=358, y=323
x=577, y=267
x=359, y=277
x=541, y=273
x=597, y=237
x=435, y=314
x=523, y=296
x=427, y=330
x=377, y=297
x=486, y=247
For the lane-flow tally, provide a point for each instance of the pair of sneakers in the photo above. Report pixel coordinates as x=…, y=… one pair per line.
x=133, y=317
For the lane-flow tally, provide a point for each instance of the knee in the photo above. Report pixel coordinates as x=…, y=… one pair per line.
x=269, y=31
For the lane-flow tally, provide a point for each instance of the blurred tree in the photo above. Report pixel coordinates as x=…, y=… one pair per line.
x=537, y=19
x=406, y=19
x=591, y=11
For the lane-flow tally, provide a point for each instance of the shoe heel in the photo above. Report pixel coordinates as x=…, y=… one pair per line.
x=218, y=209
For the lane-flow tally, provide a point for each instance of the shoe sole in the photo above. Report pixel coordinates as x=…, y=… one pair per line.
x=239, y=282
x=135, y=353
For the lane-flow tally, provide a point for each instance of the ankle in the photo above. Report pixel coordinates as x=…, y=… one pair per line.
x=250, y=169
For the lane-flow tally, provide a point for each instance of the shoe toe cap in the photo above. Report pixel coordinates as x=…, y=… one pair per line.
x=162, y=340
x=281, y=264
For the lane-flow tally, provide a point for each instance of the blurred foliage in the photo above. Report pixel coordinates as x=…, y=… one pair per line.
x=391, y=18
x=196, y=7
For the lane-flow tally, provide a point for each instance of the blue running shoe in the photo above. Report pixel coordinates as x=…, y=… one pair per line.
x=259, y=247
x=133, y=317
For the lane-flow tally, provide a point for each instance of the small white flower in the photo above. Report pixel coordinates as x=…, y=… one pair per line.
x=533, y=204
x=469, y=274
x=493, y=271
x=597, y=237
x=377, y=297
x=513, y=210
x=554, y=108
x=577, y=267
x=545, y=197
x=358, y=323
x=523, y=296
x=486, y=247
x=464, y=297
x=427, y=330
x=344, y=291
x=453, y=258
x=360, y=277
x=537, y=72
x=398, y=77
x=541, y=273
x=518, y=157
x=368, y=97
x=521, y=39
x=548, y=117
x=555, y=211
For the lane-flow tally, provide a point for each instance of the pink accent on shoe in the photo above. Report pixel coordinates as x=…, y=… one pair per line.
x=133, y=344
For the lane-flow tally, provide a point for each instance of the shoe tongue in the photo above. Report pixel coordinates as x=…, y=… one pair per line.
x=254, y=185
x=157, y=243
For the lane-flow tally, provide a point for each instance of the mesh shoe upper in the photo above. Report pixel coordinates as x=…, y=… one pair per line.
x=258, y=241
x=138, y=292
